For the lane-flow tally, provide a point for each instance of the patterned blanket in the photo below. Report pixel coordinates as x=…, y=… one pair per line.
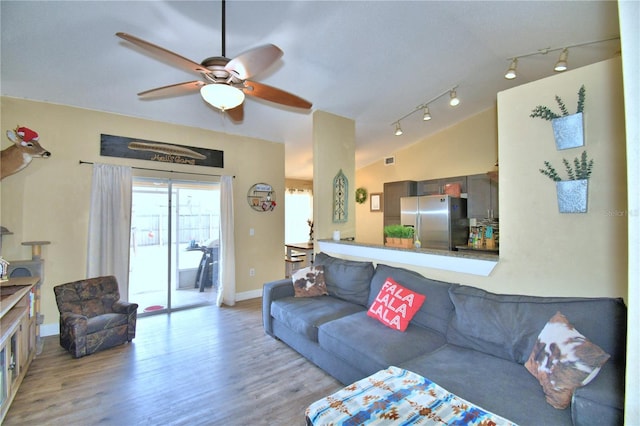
x=399, y=397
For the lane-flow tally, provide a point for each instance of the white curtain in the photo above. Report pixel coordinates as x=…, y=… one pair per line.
x=227, y=269
x=110, y=224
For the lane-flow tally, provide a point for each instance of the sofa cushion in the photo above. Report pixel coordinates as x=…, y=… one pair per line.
x=346, y=279
x=602, y=401
x=495, y=384
x=437, y=309
x=304, y=315
x=507, y=326
x=105, y=321
x=563, y=360
x=365, y=342
x=395, y=305
x=309, y=282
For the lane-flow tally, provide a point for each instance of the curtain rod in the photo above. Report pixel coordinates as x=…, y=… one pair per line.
x=161, y=170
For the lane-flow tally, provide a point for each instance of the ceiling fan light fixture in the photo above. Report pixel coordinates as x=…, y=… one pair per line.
x=222, y=96
x=454, y=101
x=561, y=65
x=511, y=72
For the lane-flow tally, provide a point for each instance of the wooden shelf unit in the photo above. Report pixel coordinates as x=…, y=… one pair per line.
x=20, y=304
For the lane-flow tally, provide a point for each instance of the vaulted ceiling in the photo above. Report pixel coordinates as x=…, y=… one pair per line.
x=370, y=61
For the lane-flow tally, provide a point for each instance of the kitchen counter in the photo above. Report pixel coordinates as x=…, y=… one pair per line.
x=478, y=249
x=467, y=261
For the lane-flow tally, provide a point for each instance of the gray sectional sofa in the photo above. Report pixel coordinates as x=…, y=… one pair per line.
x=471, y=342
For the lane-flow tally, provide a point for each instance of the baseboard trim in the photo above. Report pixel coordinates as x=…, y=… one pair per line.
x=246, y=295
x=49, y=329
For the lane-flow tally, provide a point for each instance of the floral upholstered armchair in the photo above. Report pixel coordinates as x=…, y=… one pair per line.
x=92, y=317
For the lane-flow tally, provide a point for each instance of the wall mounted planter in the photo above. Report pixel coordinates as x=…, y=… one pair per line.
x=568, y=131
x=572, y=195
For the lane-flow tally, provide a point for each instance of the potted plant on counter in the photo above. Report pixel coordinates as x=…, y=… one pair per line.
x=398, y=236
x=568, y=129
x=572, y=193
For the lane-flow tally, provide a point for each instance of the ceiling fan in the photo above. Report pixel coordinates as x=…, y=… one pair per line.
x=224, y=81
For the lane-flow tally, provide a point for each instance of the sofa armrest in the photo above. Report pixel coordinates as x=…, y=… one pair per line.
x=601, y=402
x=273, y=291
x=75, y=324
x=122, y=307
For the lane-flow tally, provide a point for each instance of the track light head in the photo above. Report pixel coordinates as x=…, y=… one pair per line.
x=454, y=98
x=561, y=65
x=511, y=72
x=424, y=107
x=427, y=115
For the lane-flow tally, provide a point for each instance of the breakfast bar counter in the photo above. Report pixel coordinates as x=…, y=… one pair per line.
x=470, y=262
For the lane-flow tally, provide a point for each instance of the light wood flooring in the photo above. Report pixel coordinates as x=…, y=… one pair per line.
x=204, y=366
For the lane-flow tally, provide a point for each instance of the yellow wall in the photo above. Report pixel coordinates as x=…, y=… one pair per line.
x=333, y=150
x=49, y=200
x=299, y=184
x=566, y=254
x=542, y=252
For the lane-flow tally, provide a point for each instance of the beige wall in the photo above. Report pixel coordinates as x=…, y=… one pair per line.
x=299, y=184
x=566, y=254
x=49, y=200
x=542, y=252
x=333, y=149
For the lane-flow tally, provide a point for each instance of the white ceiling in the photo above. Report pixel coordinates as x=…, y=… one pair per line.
x=371, y=61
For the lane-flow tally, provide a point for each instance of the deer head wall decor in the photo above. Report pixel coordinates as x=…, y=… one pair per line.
x=24, y=149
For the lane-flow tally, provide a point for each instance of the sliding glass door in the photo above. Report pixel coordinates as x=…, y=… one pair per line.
x=175, y=230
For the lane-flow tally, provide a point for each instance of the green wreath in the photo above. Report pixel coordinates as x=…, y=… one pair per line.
x=361, y=195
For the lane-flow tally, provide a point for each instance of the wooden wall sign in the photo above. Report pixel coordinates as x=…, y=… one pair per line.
x=123, y=147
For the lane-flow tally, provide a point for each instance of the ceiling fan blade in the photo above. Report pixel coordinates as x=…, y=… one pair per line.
x=270, y=93
x=237, y=113
x=172, y=90
x=164, y=54
x=254, y=61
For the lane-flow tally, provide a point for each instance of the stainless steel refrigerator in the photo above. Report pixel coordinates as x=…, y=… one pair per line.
x=440, y=221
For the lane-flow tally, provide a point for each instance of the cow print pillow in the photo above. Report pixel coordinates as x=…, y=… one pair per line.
x=309, y=282
x=563, y=360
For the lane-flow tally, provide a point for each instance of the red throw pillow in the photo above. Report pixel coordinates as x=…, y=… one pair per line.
x=395, y=305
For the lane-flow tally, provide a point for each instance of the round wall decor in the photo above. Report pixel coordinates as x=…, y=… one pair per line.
x=361, y=195
x=261, y=197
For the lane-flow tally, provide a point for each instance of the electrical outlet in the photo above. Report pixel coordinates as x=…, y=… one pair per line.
x=252, y=272
x=252, y=232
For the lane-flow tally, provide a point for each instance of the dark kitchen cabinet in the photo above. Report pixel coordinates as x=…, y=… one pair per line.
x=391, y=199
x=437, y=186
x=482, y=197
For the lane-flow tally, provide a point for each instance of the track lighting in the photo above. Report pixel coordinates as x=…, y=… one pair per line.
x=454, y=101
x=426, y=114
x=511, y=72
x=560, y=66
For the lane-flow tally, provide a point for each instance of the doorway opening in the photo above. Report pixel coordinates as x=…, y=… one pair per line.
x=173, y=258
x=298, y=216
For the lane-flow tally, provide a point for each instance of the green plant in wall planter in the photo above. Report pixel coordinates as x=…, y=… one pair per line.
x=572, y=193
x=568, y=129
x=399, y=236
